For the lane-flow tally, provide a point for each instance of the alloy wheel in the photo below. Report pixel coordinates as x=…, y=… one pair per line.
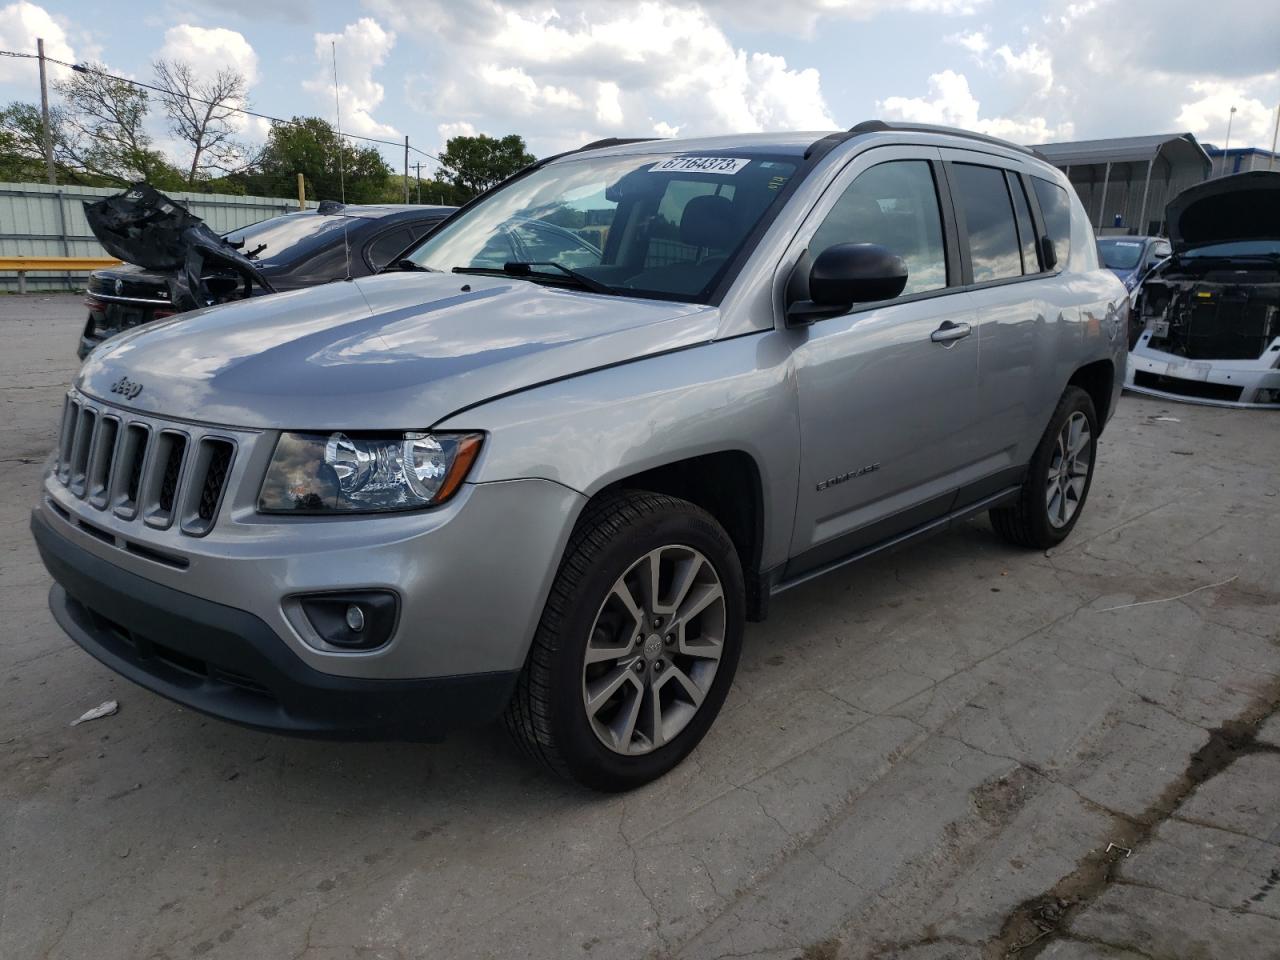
x=1069, y=470
x=654, y=650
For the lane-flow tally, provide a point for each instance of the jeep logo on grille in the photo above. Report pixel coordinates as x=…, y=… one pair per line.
x=126, y=388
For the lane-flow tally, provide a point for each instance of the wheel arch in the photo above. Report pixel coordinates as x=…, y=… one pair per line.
x=1098, y=380
x=728, y=485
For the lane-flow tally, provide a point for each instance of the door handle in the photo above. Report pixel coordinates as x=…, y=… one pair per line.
x=950, y=331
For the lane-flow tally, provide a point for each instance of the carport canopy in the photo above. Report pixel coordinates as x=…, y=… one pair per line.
x=1181, y=159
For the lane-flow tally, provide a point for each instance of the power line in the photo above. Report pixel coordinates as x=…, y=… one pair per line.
x=81, y=68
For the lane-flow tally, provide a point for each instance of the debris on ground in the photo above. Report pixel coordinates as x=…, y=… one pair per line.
x=104, y=709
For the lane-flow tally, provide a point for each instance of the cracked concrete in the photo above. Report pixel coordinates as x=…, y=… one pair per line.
x=914, y=750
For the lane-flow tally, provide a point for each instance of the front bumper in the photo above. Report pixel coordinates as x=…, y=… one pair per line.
x=1218, y=383
x=230, y=664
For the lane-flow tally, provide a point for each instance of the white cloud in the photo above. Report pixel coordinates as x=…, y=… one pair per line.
x=1032, y=68
x=362, y=47
x=951, y=103
x=975, y=41
x=1208, y=115
x=801, y=16
x=20, y=25
x=609, y=105
x=210, y=49
x=558, y=74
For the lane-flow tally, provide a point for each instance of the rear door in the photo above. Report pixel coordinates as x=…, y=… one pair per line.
x=887, y=393
x=1019, y=325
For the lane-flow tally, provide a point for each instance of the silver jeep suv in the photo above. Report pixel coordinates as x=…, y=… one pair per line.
x=550, y=465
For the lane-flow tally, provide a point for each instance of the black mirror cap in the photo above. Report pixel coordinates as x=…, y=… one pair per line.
x=848, y=273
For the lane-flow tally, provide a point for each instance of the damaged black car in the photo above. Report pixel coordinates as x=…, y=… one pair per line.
x=174, y=262
x=1208, y=318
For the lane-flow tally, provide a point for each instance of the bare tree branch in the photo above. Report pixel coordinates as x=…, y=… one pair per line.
x=200, y=111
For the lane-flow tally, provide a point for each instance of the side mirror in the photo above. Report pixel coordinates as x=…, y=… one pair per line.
x=845, y=274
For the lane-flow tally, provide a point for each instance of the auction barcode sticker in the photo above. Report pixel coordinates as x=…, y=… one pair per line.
x=724, y=165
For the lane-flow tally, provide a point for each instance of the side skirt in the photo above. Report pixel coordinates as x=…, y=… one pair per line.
x=938, y=525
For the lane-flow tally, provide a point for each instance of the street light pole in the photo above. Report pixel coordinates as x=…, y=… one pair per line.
x=1227, y=149
x=1274, y=135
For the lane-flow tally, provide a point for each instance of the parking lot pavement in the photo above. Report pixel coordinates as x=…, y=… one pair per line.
x=924, y=757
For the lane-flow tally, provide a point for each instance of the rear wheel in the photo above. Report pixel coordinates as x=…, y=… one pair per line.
x=637, y=645
x=1058, y=479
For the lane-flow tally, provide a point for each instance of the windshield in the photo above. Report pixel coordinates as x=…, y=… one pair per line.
x=288, y=238
x=653, y=225
x=1239, y=248
x=1120, y=254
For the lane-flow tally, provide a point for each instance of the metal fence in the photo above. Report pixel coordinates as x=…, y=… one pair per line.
x=39, y=220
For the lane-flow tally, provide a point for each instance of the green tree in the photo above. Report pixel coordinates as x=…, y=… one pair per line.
x=474, y=164
x=101, y=129
x=21, y=150
x=310, y=146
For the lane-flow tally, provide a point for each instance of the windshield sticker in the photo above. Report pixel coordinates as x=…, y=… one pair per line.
x=723, y=165
x=1125, y=243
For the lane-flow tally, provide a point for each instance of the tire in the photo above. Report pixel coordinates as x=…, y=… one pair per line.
x=1035, y=519
x=595, y=722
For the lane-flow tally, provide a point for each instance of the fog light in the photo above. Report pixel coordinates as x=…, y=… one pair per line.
x=355, y=618
x=359, y=620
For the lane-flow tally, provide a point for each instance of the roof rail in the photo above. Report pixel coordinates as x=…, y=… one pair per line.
x=612, y=142
x=882, y=126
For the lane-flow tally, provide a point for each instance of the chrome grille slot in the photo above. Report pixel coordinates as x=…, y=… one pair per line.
x=85, y=425
x=209, y=473
x=162, y=477
x=129, y=464
x=101, y=458
x=66, y=437
x=126, y=466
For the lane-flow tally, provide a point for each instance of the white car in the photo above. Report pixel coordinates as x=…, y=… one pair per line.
x=1210, y=314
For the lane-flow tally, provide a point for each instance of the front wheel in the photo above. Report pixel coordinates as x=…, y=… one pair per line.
x=637, y=646
x=1058, y=478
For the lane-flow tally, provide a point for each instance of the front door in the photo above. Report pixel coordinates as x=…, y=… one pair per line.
x=887, y=393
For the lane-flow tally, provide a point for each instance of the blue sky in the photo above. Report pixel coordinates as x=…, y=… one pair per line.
x=564, y=73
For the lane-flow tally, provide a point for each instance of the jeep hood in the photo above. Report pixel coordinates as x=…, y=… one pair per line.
x=395, y=351
x=1244, y=206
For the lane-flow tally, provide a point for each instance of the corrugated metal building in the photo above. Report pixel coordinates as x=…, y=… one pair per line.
x=40, y=220
x=1130, y=179
x=1241, y=159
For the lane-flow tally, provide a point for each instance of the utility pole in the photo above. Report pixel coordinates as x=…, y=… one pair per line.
x=417, y=173
x=44, y=115
x=302, y=192
x=406, y=168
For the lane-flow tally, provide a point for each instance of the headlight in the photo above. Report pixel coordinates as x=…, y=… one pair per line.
x=365, y=472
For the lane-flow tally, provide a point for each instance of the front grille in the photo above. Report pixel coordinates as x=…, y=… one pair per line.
x=141, y=469
x=1200, y=389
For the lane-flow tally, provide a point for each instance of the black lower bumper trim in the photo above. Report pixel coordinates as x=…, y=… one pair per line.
x=230, y=664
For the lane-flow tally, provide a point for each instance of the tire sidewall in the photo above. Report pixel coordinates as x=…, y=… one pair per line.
x=1074, y=401
x=590, y=761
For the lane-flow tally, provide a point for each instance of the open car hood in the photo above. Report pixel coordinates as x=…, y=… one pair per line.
x=143, y=226
x=1244, y=206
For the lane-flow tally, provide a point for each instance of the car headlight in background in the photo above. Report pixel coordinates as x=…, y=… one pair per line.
x=365, y=472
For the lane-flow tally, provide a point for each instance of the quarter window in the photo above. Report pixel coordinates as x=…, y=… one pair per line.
x=894, y=204
x=1055, y=207
x=988, y=217
x=387, y=246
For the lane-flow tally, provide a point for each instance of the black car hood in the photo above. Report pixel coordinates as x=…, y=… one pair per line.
x=144, y=227
x=1244, y=206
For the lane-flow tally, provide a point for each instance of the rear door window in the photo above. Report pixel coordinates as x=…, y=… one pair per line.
x=1055, y=207
x=1026, y=232
x=983, y=198
x=895, y=205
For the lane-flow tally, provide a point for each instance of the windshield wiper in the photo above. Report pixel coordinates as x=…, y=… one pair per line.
x=523, y=268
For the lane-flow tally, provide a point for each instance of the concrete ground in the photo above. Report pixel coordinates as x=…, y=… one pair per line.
x=959, y=751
